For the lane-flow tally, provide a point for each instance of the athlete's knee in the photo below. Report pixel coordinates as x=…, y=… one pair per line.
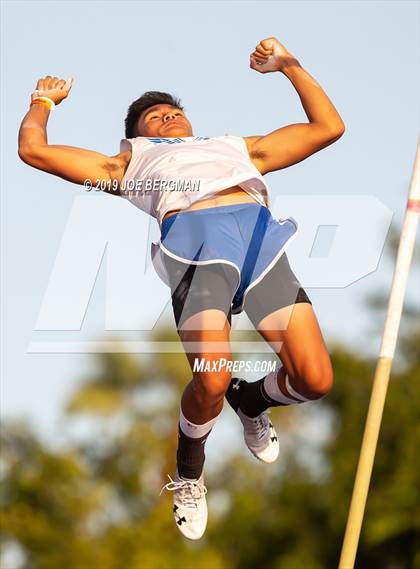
x=312, y=379
x=318, y=380
x=210, y=386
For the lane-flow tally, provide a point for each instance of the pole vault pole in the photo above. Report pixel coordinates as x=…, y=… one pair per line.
x=382, y=372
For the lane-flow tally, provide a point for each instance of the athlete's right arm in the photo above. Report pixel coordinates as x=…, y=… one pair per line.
x=68, y=162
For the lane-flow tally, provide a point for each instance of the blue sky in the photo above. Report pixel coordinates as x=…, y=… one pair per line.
x=364, y=54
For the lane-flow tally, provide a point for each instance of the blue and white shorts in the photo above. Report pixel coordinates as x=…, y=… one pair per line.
x=229, y=257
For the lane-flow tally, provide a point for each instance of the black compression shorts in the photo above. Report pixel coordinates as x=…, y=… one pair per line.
x=213, y=286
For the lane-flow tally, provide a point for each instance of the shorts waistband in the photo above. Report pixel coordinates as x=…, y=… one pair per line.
x=166, y=224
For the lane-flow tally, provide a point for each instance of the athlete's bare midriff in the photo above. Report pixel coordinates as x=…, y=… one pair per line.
x=229, y=196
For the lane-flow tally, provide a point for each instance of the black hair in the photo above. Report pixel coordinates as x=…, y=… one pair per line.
x=148, y=99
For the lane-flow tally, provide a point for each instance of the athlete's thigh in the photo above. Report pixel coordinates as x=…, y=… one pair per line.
x=282, y=312
x=206, y=335
x=201, y=300
x=197, y=288
x=279, y=288
x=294, y=334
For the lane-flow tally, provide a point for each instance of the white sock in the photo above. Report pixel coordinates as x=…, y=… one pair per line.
x=273, y=391
x=294, y=393
x=195, y=431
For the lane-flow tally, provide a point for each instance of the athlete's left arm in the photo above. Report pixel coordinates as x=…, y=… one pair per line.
x=293, y=143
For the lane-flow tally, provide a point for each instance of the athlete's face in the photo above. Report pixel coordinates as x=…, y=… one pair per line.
x=163, y=121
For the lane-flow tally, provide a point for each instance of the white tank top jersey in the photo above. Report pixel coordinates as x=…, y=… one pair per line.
x=173, y=173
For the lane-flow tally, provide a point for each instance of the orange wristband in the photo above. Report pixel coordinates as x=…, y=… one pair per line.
x=43, y=101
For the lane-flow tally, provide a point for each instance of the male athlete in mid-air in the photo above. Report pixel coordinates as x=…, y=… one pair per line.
x=220, y=252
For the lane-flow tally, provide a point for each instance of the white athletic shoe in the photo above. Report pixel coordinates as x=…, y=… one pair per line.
x=190, y=506
x=260, y=436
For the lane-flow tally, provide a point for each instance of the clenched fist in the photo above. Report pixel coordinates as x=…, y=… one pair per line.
x=270, y=55
x=52, y=87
